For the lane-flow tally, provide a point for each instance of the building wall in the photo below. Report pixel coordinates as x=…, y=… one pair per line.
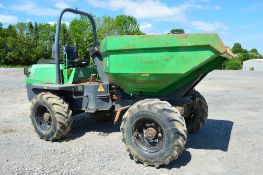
x=253, y=65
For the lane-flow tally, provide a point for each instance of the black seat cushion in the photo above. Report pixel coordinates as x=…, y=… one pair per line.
x=71, y=53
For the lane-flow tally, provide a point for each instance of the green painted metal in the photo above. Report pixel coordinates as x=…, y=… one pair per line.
x=46, y=73
x=42, y=73
x=76, y=75
x=160, y=64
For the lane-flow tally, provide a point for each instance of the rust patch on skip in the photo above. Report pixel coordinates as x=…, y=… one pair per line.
x=147, y=61
x=222, y=44
x=120, y=65
x=182, y=36
x=168, y=59
x=146, y=81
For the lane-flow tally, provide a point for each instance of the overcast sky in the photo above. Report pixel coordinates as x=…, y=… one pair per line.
x=235, y=21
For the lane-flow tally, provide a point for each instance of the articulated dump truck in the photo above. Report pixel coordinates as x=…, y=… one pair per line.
x=146, y=83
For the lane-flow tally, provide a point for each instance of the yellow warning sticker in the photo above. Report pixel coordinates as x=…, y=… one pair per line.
x=100, y=89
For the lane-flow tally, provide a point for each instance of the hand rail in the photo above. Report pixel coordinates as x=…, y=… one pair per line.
x=57, y=36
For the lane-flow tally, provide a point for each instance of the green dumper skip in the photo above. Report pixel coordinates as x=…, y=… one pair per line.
x=160, y=64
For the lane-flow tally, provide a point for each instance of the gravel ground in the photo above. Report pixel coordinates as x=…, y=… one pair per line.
x=230, y=143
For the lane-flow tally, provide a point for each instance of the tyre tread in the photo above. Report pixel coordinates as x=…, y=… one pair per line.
x=178, y=125
x=62, y=114
x=200, y=115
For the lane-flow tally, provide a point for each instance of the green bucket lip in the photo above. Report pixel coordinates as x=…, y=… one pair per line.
x=132, y=42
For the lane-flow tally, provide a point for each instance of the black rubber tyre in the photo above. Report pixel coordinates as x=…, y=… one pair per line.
x=169, y=127
x=102, y=116
x=197, y=119
x=50, y=116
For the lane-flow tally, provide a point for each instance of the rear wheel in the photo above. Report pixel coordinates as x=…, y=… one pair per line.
x=154, y=132
x=50, y=116
x=196, y=119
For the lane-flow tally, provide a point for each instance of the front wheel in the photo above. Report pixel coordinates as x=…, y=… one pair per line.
x=50, y=116
x=154, y=132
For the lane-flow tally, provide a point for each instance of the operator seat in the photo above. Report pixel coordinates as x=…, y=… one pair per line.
x=71, y=55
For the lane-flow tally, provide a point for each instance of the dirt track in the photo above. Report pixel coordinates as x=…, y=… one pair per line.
x=230, y=143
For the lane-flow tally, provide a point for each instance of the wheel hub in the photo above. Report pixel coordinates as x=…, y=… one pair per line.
x=43, y=118
x=148, y=135
x=46, y=116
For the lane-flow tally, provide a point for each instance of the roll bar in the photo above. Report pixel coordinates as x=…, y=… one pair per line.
x=57, y=36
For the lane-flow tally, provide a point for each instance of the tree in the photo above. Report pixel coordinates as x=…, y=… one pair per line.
x=237, y=49
x=176, y=31
x=2, y=43
x=26, y=43
x=81, y=34
x=121, y=25
x=21, y=28
x=106, y=27
x=233, y=64
x=46, y=34
x=127, y=25
x=81, y=30
x=241, y=55
x=255, y=51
